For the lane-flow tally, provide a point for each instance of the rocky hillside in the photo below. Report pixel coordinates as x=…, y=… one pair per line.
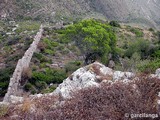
x=92, y=92
x=135, y=11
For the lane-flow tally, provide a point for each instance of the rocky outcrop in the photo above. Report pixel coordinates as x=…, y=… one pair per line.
x=157, y=73
x=13, y=88
x=91, y=75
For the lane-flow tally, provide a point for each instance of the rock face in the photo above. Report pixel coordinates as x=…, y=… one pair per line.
x=158, y=73
x=91, y=75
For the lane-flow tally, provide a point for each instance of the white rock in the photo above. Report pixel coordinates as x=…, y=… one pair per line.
x=118, y=75
x=158, y=73
x=16, y=99
x=87, y=77
x=82, y=78
x=38, y=95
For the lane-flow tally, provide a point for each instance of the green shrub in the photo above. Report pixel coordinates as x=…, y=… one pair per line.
x=42, y=58
x=137, y=32
x=50, y=44
x=156, y=54
x=30, y=87
x=72, y=66
x=50, y=52
x=5, y=75
x=150, y=67
x=140, y=46
x=151, y=29
x=49, y=90
x=41, y=79
x=114, y=24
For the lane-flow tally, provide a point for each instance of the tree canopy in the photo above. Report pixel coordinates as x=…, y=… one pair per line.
x=94, y=38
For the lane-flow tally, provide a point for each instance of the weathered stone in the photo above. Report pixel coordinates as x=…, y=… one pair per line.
x=15, y=99
x=88, y=76
x=111, y=64
x=118, y=75
x=21, y=65
x=157, y=73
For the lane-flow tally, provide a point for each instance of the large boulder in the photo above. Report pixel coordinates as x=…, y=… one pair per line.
x=88, y=76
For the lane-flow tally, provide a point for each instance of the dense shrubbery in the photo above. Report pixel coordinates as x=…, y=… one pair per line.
x=114, y=24
x=97, y=103
x=40, y=80
x=5, y=75
x=95, y=39
x=150, y=67
x=137, y=32
x=72, y=66
x=141, y=46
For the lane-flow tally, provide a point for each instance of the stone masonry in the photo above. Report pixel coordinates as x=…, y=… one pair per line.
x=23, y=63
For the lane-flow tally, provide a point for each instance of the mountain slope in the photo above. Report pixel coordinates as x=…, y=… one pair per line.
x=146, y=12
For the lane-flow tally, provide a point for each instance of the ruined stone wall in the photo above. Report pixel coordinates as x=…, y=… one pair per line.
x=13, y=88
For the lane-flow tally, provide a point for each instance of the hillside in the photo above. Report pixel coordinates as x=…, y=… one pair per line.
x=92, y=92
x=144, y=12
x=61, y=51
x=74, y=60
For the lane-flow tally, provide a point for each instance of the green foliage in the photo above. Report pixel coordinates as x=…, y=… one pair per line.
x=27, y=26
x=50, y=44
x=141, y=46
x=150, y=67
x=92, y=37
x=72, y=66
x=30, y=87
x=114, y=24
x=151, y=29
x=42, y=58
x=4, y=79
x=49, y=90
x=50, y=52
x=156, y=54
x=137, y=32
x=40, y=80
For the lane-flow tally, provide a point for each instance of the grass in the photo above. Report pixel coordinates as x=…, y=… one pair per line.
x=27, y=26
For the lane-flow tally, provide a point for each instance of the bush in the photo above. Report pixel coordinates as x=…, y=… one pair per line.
x=30, y=87
x=140, y=46
x=50, y=52
x=151, y=29
x=49, y=90
x=50, y=44
x=99, y=103
x=114, y=24
x=156, y=54
x=112, y=101
x=40, y=80
x=137, y=32
x=5, y=75
x=42, y=58
x=72, y=66
x=150, y=67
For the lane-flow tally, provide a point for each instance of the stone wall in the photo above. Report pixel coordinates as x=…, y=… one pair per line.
x=23, y=63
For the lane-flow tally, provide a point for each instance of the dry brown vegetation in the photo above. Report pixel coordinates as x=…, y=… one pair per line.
x=108, y=102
